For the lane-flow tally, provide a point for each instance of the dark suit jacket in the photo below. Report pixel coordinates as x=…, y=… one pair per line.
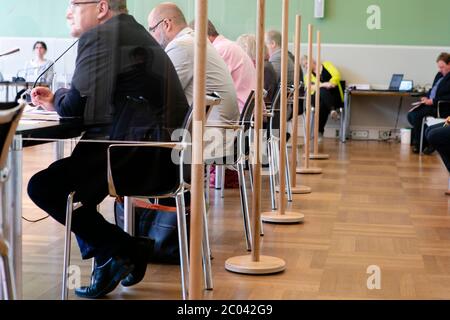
x=123, y=77
x=443, y=91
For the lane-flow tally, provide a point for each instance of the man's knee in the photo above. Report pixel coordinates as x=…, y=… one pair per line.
x=412, y=118
x=37, y=186
x=434, y=137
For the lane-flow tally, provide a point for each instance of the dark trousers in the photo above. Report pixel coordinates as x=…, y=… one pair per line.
x=415, y=118
x=329, y=100
x=84, y=172
x=439, y=137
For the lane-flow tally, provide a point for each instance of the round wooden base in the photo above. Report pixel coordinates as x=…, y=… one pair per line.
x=286, y=218
x=309, y=170
x=319, y=156
x=298, y=190
x=245, y=265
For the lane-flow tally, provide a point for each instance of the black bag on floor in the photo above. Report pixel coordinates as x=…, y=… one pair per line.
x=158, y=223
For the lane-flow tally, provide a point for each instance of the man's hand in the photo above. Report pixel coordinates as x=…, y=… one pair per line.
x=426, y=101
x=447, y=122
x=44, y=97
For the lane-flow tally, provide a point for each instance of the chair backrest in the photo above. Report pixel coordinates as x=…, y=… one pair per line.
x=9, y=119
x=245, y=121
x=146, y=170
x=274, y=123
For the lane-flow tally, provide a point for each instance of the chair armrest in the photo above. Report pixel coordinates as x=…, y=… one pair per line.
x=440, y=104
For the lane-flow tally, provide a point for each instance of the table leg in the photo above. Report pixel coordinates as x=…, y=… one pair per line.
x=59, y=149
x=347, y=111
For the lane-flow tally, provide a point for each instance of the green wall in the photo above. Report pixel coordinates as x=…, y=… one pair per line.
x=403, y=22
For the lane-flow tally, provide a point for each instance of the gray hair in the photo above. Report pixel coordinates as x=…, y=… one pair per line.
x=275, y=36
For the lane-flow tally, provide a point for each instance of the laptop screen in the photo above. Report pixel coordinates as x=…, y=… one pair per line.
x=406, y=85
x=396, y=81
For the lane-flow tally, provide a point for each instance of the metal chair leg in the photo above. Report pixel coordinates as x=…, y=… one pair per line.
x=422, y=129
x=207, y=270
x=67, y=244
x=6, y=275
x=128, y=216
x=244, y=205
x=222, y=182
x=272, y=175
x=183, y=243
x=208, y=177
x=288, y=176
x=218, y=180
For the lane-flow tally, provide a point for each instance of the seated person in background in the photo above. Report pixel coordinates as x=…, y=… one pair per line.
x=273, y=40
x=248, y=43
x=37, y=65
x=126, y=82
x=438, y=137
x=167, y=24
x=331, y=91
x=439, y=91
x=242, y=70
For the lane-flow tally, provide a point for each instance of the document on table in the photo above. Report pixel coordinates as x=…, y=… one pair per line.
x=37, y=113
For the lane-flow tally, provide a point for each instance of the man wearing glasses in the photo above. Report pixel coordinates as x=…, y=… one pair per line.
x=125, y=80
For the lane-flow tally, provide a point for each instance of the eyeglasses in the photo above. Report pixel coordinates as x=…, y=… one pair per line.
x=72, y=5
x=152, y=29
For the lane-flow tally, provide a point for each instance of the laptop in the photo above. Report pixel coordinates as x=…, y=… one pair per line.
x=396, y=82
x=406, y=86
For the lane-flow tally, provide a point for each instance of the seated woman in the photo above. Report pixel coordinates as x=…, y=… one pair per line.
x=331, y=91
x=39, y=64
x=438, y=137
x=248, y=43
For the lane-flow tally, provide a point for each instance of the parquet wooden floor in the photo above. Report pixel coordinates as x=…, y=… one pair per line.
x=376, y=203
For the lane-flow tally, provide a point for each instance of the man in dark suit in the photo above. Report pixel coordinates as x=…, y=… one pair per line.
x=123, y=79
x=440, y=91
x=438, y=137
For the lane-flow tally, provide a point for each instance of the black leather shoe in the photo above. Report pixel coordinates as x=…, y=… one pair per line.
x=140, y=258
x=105, y=278
x=415, y=149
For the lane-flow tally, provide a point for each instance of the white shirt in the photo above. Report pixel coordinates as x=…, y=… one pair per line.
x=218, y=79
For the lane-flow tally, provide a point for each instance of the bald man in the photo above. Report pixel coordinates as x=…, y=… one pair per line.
x=167, y=24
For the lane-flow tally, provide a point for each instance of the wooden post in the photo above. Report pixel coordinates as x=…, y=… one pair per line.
x=281, y=216
x=316, y=155
x=197, y=179
x=255, y=263
x=306, y=169
x=297, y=43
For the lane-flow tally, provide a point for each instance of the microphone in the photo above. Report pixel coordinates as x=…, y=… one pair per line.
x=7, y=53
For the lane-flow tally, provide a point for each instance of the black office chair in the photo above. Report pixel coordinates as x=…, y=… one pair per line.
x=9, y=119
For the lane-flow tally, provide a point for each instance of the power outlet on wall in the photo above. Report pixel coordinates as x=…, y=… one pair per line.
x=360, y=134
x=384, y=134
